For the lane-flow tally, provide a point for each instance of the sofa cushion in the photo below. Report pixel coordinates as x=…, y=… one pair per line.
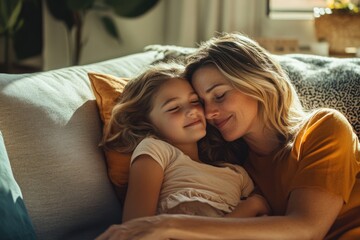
x=51, y=123
x=107, y=89
x=15, y=222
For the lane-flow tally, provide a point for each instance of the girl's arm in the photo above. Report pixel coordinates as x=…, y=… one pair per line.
x=145, y=180
x=253, y=206
x=310, y=214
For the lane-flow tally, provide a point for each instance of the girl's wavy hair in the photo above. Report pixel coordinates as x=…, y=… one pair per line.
x=255, y=72
x=129, y=122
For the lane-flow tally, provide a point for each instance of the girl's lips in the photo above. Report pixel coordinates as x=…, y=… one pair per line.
x=221, y=123
x=192, y=123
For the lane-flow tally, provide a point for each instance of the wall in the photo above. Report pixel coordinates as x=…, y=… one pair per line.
x=98, y=44
x=170, y=22
x=301, y=29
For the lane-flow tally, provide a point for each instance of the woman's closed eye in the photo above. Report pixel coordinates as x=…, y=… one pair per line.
x=219, y=97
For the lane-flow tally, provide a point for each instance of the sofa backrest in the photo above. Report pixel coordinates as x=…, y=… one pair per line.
x=51, y=126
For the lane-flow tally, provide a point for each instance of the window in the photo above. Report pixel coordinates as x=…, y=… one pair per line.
x=293, y=9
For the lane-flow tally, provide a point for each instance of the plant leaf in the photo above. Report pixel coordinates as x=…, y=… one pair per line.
x=78, y=5
x=60, y=11
x=28, y=41
x=14, y=17
x=110, y=27
x=131, y=8
x=3, y=15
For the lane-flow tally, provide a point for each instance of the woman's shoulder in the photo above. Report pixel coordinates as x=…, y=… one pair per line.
x=327, y=123
x=327, y=113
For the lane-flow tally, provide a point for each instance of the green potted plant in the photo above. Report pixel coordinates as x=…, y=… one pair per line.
x=345, y=6
x=21, y=33
x=10, y=23
x=338, y=24
x=73, y=12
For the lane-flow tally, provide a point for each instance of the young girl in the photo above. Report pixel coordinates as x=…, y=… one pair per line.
x=160, y=119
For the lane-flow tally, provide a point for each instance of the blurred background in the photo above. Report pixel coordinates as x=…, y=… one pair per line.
x=39, y=35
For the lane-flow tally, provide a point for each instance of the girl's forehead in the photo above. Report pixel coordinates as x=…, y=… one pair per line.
x=175, y=88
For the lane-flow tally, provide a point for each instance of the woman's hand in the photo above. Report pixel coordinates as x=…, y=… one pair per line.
x=146, y=228
x=253, y=206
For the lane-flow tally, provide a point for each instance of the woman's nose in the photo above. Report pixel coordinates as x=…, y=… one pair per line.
x=211, y=111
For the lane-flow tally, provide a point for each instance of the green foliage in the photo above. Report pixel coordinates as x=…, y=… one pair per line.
x=10, y=21
x=131, y=9
x=28, y=41
x=72, y=13
x=61, y=11
x=110, y=27
x=343, y=5
x=64, y=10
x=79, y=5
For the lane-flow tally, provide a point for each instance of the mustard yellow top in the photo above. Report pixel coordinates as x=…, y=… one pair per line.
x=325, y=155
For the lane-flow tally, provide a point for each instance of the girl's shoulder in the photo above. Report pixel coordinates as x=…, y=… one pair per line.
x=154, y=142
x=159, y=150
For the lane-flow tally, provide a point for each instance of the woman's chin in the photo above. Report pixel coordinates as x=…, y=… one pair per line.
x=229, y=137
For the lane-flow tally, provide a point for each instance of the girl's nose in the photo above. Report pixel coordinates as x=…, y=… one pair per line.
x=191, y=111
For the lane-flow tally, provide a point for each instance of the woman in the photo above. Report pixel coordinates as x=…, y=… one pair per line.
x=305, y=164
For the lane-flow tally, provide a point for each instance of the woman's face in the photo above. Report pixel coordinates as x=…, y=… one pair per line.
x=177, y=113
x=228, y=109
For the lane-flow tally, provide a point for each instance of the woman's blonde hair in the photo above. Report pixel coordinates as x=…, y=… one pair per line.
x=253, y=71
x=129, y=122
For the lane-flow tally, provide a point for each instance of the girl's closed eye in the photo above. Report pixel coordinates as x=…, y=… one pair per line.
x=173, y=109
x=195, y=101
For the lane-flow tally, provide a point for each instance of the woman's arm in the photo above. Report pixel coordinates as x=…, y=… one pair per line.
x=253, y=206
x=145, y=180
x=309, y=215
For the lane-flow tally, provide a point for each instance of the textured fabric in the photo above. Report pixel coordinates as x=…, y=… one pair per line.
x=186, y=180
x=52, y=128
x=325, y=156
x=15, y=223
x=326, y=82
x=196, y=208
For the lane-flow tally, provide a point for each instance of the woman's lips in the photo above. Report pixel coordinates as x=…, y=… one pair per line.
x=221, y=123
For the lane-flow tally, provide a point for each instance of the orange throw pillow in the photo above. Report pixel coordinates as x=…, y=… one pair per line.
x=107, y=90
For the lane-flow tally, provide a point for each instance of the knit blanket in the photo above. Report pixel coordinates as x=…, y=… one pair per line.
x=326, y=82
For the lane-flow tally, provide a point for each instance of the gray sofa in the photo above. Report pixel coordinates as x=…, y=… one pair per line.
x=51, y=127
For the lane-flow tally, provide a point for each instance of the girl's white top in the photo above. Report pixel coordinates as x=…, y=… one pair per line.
x=186, y=180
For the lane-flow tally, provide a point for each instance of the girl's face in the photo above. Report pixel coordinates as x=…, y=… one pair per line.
x=177, y=113
x=228, y=109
